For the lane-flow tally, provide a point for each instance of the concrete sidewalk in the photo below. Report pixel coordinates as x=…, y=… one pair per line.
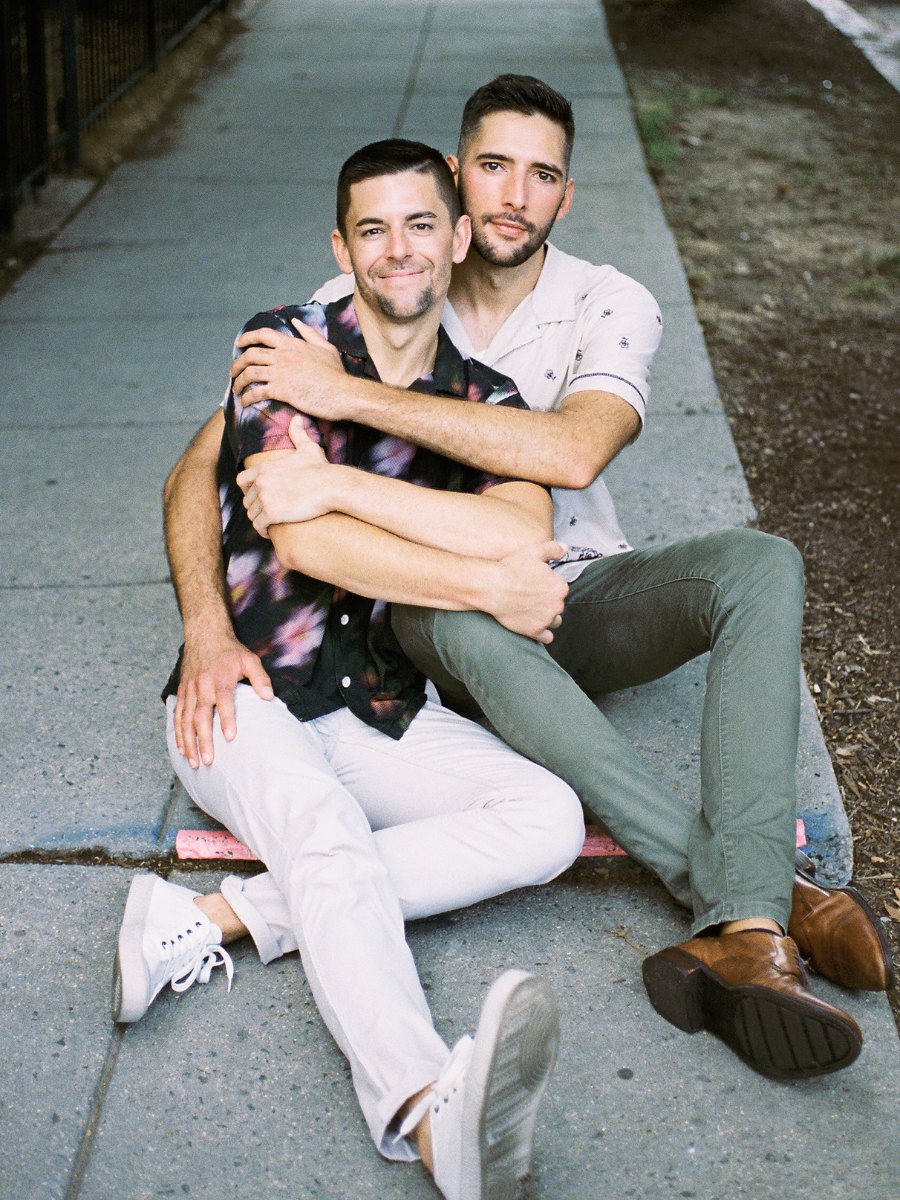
x=115, y=347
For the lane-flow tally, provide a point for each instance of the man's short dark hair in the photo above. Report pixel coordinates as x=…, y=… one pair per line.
x=521, y=94
x=393, y=156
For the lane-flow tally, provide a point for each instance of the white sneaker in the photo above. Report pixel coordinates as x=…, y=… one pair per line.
x=484, y=1105
x=164, y=938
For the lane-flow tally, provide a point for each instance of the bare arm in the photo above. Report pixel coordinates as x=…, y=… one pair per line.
x=214, y=661
x=568, y=448
x=193, y=531
x=519, y=589
x=302, y=485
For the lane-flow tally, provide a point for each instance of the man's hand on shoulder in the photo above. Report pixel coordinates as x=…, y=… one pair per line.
x=211, y=668
x=304, y=371
x=528, y=596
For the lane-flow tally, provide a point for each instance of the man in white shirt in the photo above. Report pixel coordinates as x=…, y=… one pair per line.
x=578, y=339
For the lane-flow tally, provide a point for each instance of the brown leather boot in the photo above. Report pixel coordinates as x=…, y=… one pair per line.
x=749, y=989
x=840, y=936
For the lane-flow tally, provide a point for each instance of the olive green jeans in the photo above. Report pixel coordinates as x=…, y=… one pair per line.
x=628, y=619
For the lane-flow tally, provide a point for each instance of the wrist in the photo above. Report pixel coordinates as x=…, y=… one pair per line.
x=208, y=627
x=481, y=584
x=340, y=486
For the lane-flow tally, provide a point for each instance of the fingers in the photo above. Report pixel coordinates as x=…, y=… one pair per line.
x=256, y=512
x=203, y=729
x=246, y=479
x=308, y=334
x=261, y=337
x=176, y=721
x=227, y=720
x=255, y=674
x=251, y=385
x=253, y=356
x=299, y=431
x=185, y=736
x=551, y=551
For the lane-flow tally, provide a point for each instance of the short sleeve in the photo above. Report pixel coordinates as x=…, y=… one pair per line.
x=266, y=426
x=620, y=332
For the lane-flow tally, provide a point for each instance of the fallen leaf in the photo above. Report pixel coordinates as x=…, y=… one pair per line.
x=892, y=910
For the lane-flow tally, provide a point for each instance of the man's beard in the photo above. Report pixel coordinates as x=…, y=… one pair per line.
x=391, y=309
x=513, y=256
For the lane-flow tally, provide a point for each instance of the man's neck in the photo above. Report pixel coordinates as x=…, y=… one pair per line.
x=402, y=351
x=484, y=295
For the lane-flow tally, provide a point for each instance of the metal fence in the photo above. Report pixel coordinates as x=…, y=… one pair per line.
x=62, y=64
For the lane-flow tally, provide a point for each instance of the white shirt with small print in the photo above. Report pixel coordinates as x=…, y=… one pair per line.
x=583, y=328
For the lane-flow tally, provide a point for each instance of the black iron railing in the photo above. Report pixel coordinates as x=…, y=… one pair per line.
x=62, y=64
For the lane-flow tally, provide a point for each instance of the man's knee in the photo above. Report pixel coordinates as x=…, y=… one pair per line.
x=762, y=561
x=557, y=826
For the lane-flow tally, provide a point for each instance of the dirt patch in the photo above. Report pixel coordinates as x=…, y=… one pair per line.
x=773, y=144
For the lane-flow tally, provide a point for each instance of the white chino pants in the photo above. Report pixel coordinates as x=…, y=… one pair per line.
x=360, y=832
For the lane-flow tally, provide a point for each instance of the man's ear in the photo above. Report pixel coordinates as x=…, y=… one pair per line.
x=453, y=163
x=339, y=248
x=462, y=236
x=567, y=200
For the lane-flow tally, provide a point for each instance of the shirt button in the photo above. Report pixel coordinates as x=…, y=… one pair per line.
x=345, y=682
x=345, y=620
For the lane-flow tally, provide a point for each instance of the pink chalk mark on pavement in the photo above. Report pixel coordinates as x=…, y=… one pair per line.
x=207, y=844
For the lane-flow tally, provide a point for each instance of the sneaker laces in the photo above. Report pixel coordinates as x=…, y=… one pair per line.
x=186, y=965
x=445, y=1086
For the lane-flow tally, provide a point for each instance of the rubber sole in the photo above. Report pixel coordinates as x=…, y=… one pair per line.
x=775, y=1033
x=131, y=981
x=514, y=1055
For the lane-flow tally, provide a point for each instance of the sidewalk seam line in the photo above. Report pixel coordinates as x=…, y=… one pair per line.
x=413, y=76
x=83, y=1157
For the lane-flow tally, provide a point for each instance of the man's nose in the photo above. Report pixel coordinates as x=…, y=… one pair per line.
x=398, y=244
x=514, y=191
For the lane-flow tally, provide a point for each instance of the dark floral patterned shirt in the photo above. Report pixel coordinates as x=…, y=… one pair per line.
x=323, y=647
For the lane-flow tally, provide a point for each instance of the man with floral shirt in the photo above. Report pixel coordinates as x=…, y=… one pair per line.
x=578, y=340
x=369, y=804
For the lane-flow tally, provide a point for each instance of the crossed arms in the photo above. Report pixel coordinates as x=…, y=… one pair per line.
x=372, y=535
x=378, y=537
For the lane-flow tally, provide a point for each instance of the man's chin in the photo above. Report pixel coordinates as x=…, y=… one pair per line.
x=405, y=310
x=506, y=256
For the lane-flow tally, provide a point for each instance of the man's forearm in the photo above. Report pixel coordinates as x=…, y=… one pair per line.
x=369, y=561
x=520, y=591
x=193, y=533
x=509, y=516
x=568, y=448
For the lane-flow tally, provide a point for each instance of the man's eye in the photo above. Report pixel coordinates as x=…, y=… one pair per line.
x=423, y=227
x=545, y=177
x=493, y=167
x=369, y=232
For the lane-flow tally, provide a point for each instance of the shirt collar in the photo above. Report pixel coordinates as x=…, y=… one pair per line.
x=552, y=299
x=450, y=374
x=550, y=302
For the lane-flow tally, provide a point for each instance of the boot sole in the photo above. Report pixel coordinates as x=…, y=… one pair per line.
x=514, y=1055
x=131, y=981
x=777, y=1034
